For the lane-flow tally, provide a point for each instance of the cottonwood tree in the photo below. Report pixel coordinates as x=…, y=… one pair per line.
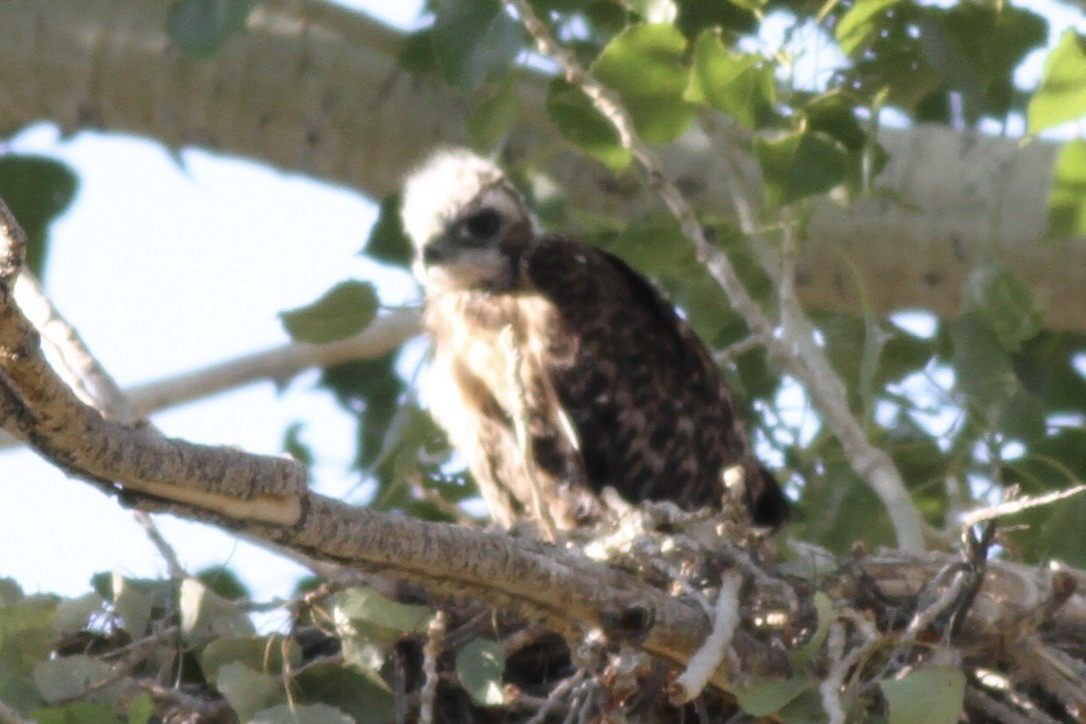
x=783, y=216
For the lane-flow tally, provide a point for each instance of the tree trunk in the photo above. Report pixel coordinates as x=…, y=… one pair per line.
x=313, y=88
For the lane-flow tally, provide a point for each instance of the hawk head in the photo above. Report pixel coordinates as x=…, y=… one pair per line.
x=468, y=223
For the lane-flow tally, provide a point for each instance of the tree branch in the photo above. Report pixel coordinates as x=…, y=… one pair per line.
x=384, y=334
x=1042, y=611
x=945, y=201
x=267, y=499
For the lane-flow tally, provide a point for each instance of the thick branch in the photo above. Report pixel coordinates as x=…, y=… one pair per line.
x=310, y=87
x=267, y=499
x=1016, y=606
x=40, y=409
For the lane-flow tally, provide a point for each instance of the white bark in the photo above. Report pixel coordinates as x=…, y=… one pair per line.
x=313, y=88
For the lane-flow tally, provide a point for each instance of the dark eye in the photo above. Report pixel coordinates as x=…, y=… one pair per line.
x=483, y=224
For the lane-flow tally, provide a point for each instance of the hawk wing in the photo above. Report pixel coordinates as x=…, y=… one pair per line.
x=611, y=386
x=649, y=404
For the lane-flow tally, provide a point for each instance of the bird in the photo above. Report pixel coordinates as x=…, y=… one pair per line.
x=557, y=370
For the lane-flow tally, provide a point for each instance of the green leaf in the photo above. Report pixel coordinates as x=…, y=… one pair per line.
x=205, y=615
x=294, y=446
x=17, y=691
x=1004, y=302
x=1022, y=416
x=837, y=507
x=740, y=84
x=474, y=40
x=984, y=372
x=903, y=354
x=933, y=695
x=1046, y=368
x=74, y=614
x=492, y=118
x=26, y=635
x=982, y=365
x=856, y=27
x=371, y=606
x=413, y=447
x=346, y=309
x=374, y=387
x=581, y=124
x=644, y=65
x=248, y=691
x=200, y=27
x=223, y=582
x=696, y=16
x=800, y=164
x=77, y=712
x=1061, y=96
x=834, y=113
x=307, y=714
x=259, y=653
x=140, y=709
x=1067, y=200
x=824, y=610
x=976, y=47
x=762, y=698
x=134, y=602
x=652, y=243
x=369, y=624
x=388, y=243
x=479, y=666
x=417, y=55
x=806, y=709
x=363, y=695
x=654, y=11
x=1049, y=532
x=37, y=190
x=10, y=592
x=70, y=677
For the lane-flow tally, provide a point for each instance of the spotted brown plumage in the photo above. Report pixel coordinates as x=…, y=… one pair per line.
x=609, y=386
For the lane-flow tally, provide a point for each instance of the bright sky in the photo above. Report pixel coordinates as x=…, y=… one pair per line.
x=165, y=268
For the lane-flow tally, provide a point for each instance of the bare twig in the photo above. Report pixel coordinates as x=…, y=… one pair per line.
x=924, y=618
x=999, y=711
x=830, y=688
x=212, y=709
x=173, y=563
x=1011, y=507
x=85, y=375
x=705, y=660
x=435, y=643
x=557, y=694
x=797, y=353
x=737, y=349
x=8, y=715
x=384, y=334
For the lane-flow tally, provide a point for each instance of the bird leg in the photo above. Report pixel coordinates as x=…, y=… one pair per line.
x=509, y=341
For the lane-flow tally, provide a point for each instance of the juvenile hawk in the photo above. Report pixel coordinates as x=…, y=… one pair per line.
x=558, y=369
